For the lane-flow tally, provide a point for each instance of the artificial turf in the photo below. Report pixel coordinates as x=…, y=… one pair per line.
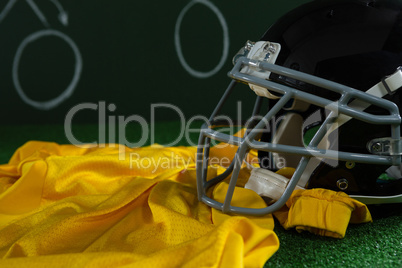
x=376, y=244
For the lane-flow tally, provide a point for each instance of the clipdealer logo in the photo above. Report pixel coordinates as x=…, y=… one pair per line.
x=107, y=122
x=112, y=128
x=109, y=137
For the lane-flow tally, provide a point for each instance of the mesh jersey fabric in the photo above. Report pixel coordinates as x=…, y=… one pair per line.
x=65, y=206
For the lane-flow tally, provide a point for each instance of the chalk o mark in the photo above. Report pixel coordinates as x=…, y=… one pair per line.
x=225, y=50
x=50, y=104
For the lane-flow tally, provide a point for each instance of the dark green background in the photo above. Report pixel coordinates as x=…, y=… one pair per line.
x=128, y=54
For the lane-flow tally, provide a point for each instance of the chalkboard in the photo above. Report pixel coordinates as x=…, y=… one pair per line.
x=76, y=58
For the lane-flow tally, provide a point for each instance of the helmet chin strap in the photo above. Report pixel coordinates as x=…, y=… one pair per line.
x=267, y=183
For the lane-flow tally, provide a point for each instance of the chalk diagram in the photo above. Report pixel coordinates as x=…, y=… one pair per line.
x=177, y=43
x=63, y=18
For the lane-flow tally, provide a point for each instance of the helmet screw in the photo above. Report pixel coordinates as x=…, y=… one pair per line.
x=342, y=184
x=249, y=44
x=350, y=165
x=376, y=147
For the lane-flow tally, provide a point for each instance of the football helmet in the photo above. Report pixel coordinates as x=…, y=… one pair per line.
x=329, y=71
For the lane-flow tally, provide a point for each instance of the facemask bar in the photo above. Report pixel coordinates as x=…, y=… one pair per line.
x=248, y=142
